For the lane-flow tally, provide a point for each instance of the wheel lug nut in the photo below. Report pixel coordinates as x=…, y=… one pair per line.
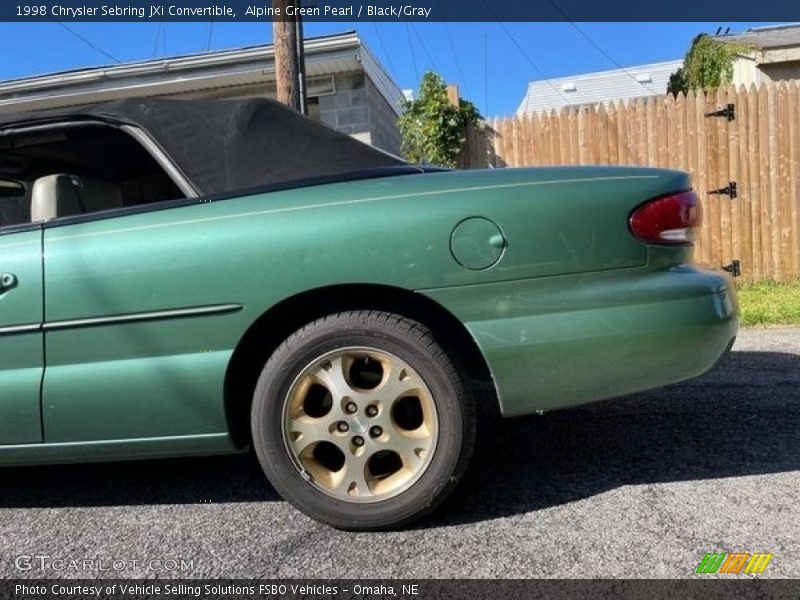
x=342, y=426
x=375, y=431
x=358, y=441
x=351, y=407
x=372, y=410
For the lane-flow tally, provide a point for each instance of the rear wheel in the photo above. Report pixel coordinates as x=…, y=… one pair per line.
x=362, y=421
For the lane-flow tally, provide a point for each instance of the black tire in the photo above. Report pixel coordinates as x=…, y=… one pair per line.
x=413, y=343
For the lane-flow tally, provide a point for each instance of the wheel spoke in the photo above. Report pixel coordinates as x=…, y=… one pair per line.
x=354, y=482
x=401, y=381
x=305, y=431
x=331, y=373
x=413, y=451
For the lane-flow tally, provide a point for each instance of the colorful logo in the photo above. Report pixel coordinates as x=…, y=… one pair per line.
x=734, y=562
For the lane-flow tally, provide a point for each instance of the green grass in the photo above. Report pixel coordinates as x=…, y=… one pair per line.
x=769, y=303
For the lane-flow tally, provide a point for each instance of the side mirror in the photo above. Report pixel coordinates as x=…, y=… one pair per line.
x=55, y=196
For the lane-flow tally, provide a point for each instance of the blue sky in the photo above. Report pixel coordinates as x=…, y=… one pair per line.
x=457, y=50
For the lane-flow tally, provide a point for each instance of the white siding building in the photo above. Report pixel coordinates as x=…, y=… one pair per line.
x=598, y=87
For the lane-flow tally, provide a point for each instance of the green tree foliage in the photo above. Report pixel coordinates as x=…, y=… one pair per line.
x=677, y=83
x=707, y=65
x=432, y=127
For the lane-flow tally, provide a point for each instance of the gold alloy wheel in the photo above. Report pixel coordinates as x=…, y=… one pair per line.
x=360, y=424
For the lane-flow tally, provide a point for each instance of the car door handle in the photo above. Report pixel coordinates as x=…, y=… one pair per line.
x=7, y=281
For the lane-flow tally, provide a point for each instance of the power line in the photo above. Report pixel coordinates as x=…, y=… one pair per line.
x=597, y=47
x=531, y=61
x=424, y=47
x=208, y=35
x=604, y=53
x=458, y=62
x=535, y=66
x=413, y=54
x=385, y=50
x=608, y=56
x=453, y=48
x=87, y=42
x=522, y=51
x=486, y=73
x=159, y=26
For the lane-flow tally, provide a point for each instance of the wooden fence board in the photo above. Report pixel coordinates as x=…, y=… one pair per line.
x=794, y=175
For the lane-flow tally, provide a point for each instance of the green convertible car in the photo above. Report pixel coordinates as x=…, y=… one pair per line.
x=202, y=277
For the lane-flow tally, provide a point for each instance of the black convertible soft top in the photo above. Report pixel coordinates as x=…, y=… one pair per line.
x=224, y=145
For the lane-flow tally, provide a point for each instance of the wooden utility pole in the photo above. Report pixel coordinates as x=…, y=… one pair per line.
x=301, y=63
x=287, y=63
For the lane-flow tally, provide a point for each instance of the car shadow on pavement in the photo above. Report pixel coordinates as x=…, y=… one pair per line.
x=216, y=479
x=743, y=418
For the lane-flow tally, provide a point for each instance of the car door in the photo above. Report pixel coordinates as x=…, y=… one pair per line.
x=136, y=329
x=137, y=342
x=21, y=314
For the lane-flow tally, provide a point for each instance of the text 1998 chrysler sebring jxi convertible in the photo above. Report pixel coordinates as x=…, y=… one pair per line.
x=190, y=278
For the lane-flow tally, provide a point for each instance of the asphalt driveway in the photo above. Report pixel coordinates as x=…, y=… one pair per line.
x=642, y=486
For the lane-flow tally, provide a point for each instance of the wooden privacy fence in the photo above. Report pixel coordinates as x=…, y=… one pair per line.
x=741, y=146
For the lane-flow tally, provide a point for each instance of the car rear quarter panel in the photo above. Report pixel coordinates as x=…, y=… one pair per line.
x=166, y=377
x=562, y=341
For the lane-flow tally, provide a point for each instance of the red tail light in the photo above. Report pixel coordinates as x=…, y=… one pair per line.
x=669, y=220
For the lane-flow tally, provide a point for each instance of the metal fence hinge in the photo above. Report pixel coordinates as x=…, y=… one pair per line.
x=735, y=268
x=729, y=190
x=729, y=111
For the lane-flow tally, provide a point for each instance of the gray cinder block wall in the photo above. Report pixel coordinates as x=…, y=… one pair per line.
x=357, y=108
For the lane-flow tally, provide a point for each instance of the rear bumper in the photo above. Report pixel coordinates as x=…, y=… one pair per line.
x=558, y=342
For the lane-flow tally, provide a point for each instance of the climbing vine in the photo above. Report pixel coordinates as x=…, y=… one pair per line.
x=707, y=65
x=432, y=127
